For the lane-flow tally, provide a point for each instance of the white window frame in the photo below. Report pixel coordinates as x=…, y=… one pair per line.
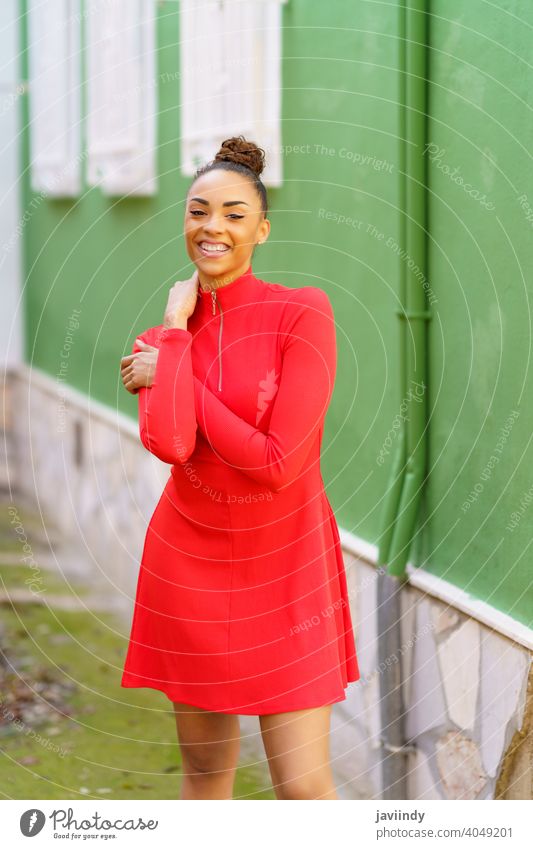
x=54, y=96
x=121, y=96
x=235, y=45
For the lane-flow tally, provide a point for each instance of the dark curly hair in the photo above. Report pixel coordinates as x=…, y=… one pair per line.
x=244, y=157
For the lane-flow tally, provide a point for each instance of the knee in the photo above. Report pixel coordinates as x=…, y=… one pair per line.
x=305, y=788
x=209, y=760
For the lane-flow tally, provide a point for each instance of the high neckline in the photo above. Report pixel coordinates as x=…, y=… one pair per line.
x=229, y=292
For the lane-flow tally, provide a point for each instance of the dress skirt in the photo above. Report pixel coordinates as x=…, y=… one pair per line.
x=227, y=631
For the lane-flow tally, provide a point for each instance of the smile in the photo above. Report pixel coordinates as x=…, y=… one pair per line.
x=213, y=248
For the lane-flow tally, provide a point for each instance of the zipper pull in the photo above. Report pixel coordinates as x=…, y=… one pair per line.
x=213, y=299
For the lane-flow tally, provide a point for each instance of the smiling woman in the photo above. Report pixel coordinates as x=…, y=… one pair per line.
x=223, y=222
x=243, y=551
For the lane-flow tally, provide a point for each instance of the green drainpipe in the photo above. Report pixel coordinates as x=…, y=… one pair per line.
x=409, y=465
x=408, y=468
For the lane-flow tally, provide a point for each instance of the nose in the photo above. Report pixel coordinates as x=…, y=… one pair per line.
x=213, y=224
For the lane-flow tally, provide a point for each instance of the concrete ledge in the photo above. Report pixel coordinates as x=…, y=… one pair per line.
x=445, y=591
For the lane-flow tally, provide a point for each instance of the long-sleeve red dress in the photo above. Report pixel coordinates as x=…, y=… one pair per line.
x=242, y=603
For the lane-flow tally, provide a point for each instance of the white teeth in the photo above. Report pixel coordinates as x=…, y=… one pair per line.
x=213, y=248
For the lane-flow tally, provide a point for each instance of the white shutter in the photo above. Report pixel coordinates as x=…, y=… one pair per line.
x=54, y=96
x=230, y=75
x=201, y=80
x=121, y=96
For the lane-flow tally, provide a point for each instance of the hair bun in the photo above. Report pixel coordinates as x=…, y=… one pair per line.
x=237, y=149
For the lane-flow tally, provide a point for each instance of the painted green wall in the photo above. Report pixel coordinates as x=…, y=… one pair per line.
x=340, y=99
x=116, y=260
x=481, y=257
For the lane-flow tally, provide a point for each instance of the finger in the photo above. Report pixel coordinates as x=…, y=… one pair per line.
x=128, y=359
x=128, y=369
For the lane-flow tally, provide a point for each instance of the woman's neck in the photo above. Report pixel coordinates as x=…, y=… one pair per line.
x=207, y=283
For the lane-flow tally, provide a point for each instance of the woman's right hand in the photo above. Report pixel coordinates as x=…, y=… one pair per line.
x=138, y=369
x=182, y=301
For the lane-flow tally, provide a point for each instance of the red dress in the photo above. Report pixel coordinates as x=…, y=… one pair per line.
x=242, y=603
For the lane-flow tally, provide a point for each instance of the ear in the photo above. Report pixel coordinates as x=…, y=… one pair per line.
x=264, y=230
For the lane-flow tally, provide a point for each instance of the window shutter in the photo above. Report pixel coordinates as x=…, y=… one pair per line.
x=54, y=96
x=230, y=73
x=121, y=95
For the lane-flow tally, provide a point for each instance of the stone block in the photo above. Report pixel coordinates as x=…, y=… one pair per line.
x=421, y=783
x=459, y=663
x=426, y=708
x=504, y=671
x=460, y=768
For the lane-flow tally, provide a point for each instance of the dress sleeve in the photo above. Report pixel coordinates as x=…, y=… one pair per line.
x=308, y=369
x=167, y=417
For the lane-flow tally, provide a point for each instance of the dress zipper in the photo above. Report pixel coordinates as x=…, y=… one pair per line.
x=214, y=301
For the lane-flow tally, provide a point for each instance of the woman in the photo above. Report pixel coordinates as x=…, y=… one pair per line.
x=241, y=604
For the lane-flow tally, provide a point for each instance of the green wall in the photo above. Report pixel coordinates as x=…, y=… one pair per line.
x=115, y=260
x=340, y=100
x=480, y=260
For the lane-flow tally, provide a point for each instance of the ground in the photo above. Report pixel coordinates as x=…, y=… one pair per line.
x=67, y=728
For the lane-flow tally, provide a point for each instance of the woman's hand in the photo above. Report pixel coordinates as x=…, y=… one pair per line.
x=182, y=300
x=138, y=369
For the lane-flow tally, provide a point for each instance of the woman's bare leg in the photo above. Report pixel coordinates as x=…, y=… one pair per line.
x=210, y=745
x=297, y=747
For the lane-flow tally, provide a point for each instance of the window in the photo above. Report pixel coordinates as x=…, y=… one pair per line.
x=230, y=76
x=54, y=96
x=121, y=96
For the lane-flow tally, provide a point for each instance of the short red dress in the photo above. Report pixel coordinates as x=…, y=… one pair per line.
x=241, y=603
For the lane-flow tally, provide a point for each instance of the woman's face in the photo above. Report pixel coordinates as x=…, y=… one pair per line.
x=223, y=210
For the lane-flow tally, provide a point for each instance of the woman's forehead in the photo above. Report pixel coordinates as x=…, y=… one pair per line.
x=218, y=186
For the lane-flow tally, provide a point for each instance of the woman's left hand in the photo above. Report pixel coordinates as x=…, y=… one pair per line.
x=138, y=369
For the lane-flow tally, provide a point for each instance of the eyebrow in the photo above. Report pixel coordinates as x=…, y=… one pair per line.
x=226, y=202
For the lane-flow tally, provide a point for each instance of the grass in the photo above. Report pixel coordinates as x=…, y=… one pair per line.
x=110, y=742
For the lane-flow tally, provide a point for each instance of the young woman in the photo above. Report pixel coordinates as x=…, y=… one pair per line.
x=241, y=604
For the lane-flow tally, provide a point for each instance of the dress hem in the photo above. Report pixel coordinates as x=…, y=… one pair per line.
x=255, y=712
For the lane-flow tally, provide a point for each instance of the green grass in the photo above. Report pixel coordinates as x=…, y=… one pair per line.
x=123, y=740
x=114, y=742
x=18, y=576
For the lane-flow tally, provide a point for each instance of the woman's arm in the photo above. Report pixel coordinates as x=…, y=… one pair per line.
x=306, y=385
x=167, y=420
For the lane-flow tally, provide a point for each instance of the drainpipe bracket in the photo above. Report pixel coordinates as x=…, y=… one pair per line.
x=426, y=314
x=407, y=747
